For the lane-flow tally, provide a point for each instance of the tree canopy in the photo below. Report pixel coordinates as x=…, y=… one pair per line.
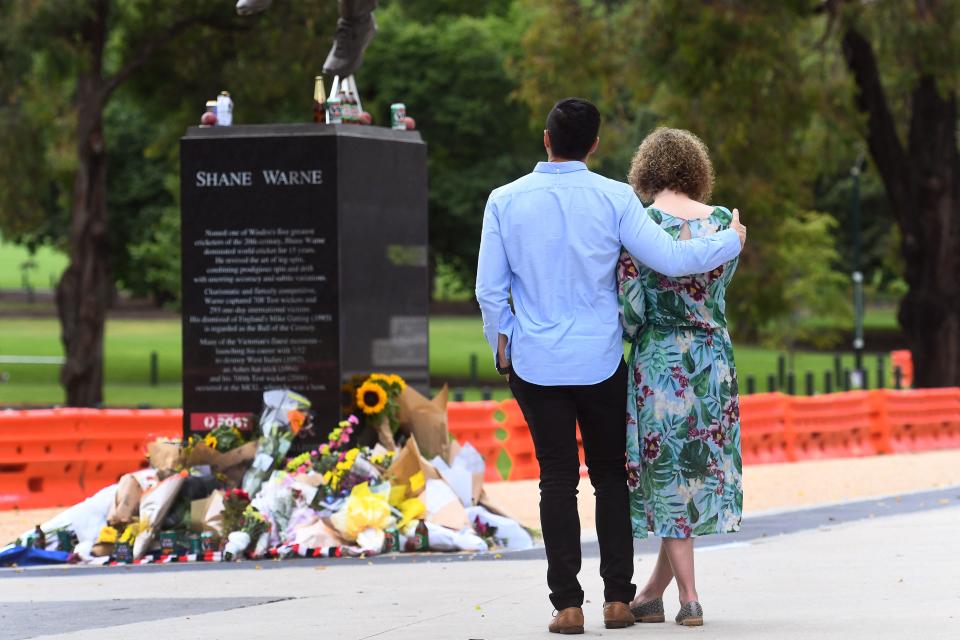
x=787, y=94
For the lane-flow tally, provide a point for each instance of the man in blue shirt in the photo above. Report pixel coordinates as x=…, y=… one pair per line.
x=551, y=241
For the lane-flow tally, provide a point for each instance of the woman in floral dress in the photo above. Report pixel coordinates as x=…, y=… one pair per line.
x=683, y=413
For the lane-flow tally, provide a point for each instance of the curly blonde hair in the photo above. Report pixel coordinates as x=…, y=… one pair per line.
x=672, y=159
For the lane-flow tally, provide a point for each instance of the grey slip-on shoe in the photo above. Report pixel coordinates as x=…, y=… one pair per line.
x=649, y=611
x=690, y=615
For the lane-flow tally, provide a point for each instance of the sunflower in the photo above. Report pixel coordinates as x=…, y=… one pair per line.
x=400, y=383
x=379, y=377
x=371, y=398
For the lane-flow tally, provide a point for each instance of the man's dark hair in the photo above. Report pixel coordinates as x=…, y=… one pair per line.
x=573, y=124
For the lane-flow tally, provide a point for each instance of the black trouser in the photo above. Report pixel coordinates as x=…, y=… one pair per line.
x=552, y=414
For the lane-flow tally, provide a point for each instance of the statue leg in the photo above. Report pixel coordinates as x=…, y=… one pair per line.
x=355, y=30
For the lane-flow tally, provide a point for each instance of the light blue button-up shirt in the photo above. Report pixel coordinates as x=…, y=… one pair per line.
x=552, y=240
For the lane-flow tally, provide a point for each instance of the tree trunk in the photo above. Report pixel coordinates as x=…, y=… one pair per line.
x=83, y=290
x=922, y=183
x=930, y=312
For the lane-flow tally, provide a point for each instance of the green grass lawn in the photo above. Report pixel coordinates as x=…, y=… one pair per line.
x=129, y=343
x=49, y=265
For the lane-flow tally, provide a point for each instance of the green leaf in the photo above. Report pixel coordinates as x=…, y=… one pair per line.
x=692, y=512
x=701, y=382
x=662, y=471
x=694, y=458
x=688, y=362
x=706, y=527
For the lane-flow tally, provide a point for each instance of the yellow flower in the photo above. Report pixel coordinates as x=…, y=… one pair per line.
x=108, y=535
x=371, y=398
x=327, y=477
x=210, y=441
x=398, y=381
x=379, y=377
x=352, y=454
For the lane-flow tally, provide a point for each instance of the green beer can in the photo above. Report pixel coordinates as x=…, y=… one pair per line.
x=398, y=111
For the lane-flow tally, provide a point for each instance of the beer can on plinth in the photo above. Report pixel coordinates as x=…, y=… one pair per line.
x=398, y=111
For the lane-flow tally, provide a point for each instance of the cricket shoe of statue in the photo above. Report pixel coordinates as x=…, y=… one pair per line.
x=250, y=7
x=354, y=35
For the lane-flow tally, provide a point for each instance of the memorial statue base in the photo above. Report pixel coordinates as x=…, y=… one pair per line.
x=304, y=264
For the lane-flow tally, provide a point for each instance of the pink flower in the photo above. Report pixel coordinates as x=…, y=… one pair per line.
x=651, y=446
x=353, y=420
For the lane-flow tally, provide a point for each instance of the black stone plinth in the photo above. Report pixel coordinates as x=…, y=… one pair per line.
x=304, y=264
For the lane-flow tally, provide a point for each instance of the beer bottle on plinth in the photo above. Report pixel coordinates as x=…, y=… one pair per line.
x=319, y=101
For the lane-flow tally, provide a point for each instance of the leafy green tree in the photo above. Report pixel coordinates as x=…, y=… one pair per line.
x=902, y=57
x=63, y=62
x=451, y=74
x=786, y=93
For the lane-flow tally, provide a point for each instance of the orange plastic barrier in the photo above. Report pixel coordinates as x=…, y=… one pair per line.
x=58, y=457
x=903, y=359
x=836, y=425
x=478, y=424
x=919, y=419
x=763, y=437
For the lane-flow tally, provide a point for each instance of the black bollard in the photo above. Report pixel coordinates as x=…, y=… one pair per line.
x=809, y=383
x=458, y=395
x=881, y=371
x=486, y=393
x=846, y=380
x=828, y=382
x=838, y=368
x=781, y=370
x=897, y=378
x=154, y=369
x=791, y=384
x=473, y=369
x=751, y=385
x=771, y=383
x=864, y=379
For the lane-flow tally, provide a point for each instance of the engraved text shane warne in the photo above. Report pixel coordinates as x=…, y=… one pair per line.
x=270, y=177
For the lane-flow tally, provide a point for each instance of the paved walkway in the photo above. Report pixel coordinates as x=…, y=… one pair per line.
x=874, y=569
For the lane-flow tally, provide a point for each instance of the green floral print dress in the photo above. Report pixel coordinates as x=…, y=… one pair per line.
x=683, y=411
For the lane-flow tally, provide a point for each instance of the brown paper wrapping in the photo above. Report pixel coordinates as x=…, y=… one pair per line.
x=207, y=514
x=232, y=464
x=426, y=420
x=126, y=505
x=407, y=463
x=165, y=457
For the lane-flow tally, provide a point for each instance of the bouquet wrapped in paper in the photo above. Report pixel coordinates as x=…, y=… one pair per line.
x=284, y=415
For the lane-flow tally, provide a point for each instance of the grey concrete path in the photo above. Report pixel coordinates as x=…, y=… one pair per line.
x=883, y=576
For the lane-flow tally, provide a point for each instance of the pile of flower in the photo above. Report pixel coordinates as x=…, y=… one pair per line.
x=227, y=496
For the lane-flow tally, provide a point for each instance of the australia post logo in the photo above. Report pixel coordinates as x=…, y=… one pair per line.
x=266, y=177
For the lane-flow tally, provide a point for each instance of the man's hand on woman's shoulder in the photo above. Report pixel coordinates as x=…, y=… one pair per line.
x=737, y=226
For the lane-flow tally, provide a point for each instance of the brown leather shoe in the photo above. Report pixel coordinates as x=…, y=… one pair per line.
x=568, y=621
x=617, y=615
